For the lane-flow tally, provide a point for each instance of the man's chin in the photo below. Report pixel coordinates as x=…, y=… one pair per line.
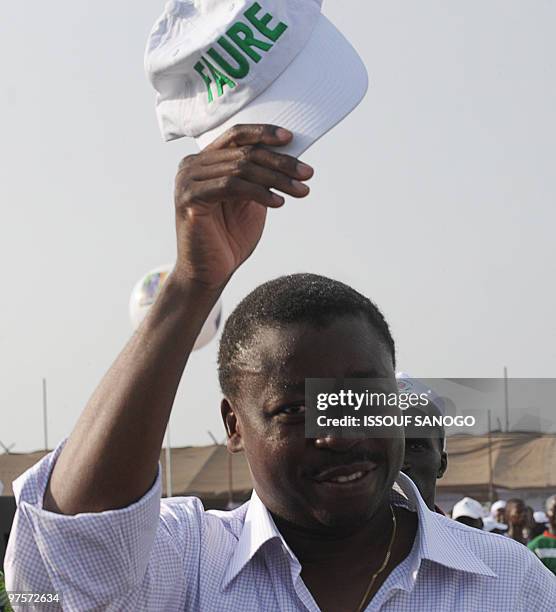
x=343, y=521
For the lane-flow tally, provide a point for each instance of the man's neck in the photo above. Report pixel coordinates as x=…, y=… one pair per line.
x=322, y=545
x=351, y=558
x=552, y=529
x=430, y=502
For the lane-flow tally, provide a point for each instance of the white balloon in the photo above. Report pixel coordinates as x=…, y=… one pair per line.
x=144, y=295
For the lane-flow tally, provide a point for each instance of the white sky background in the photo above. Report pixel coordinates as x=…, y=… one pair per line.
x=435, y=198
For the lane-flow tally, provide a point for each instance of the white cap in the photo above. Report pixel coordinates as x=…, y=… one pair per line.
x=540, y=517
x=217, y=63
x=468, y=507
x=490, y=523
x=408, y=384
x=497, y=505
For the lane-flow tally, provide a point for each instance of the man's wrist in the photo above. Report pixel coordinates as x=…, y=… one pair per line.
x=191, y=289
x=185, y=303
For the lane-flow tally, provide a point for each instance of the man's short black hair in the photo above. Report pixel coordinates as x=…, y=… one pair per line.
x=295, y=298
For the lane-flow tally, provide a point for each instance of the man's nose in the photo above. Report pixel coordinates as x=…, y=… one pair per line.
x=336, y=443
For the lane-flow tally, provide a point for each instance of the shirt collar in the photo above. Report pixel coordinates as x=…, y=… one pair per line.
x=435, y=538
x=258, y=529
x=437, y=541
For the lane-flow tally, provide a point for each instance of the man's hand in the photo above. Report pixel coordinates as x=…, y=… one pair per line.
x=222, y=195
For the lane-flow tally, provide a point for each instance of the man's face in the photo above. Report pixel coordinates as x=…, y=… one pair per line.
x=424, y=462
x=267, y=421
x=516, y=513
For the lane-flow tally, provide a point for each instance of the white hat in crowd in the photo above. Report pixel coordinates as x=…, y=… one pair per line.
x=497, y=505
x=468, y=507
x=490, y=523
x=216, y=63
x=540, y=517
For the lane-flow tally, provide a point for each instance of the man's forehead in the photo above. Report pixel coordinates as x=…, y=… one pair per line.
x=277, y=359
x=268, y=349
x=275, y=345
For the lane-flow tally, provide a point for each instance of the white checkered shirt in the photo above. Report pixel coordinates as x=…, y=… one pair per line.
x=172, y=555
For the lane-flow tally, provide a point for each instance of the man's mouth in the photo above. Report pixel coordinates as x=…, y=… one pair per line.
x=350, y=478
x=346, y=474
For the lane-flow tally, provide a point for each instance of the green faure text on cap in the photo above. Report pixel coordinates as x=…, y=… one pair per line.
x=241, y=44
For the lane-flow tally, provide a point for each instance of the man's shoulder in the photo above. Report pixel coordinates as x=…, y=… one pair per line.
x=500, y=553
x=182, y=512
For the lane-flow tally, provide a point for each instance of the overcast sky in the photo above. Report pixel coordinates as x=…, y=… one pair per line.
x=435, y=198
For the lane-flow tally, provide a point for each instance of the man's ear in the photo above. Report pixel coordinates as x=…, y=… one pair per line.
x=443, y=464
x=234, y=440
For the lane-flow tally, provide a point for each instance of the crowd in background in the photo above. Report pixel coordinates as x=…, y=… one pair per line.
x=516, y=520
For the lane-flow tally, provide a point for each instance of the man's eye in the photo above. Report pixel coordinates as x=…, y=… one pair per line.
x=293, y=410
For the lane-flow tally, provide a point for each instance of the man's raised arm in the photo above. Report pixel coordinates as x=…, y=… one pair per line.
x=221, y=200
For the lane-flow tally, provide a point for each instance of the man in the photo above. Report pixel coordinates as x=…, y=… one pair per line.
x=498, y=511
x=468, y=511
x=544, y=546
x=324, y=530
x=517, y=520
x=540, y=524
x=425, y=458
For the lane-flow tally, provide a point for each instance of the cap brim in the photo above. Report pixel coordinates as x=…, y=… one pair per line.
x=322, y=85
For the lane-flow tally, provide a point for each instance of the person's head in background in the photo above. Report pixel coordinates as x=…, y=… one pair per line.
x=468, y=511
x=551, y=514
x=425, y=459
x=517, y=517
x=540, y=524
x=498, y=511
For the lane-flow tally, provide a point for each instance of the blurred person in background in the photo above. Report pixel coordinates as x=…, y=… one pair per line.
x=517, y=517
x=530, y=524
x=544, y=545
x=469, y=512
x=425, y=458
x=498, y=511
x=540, y=524
x=4, y=603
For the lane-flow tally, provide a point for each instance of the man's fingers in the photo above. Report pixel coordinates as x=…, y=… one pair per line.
x=231, y=188
x=286, y=164
x=271, y=179
x=278, y=161
x=251, y=134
